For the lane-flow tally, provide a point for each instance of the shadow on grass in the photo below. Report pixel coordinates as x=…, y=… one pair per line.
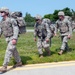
x=57, y=49
x=46, y=54
x=25, y=59
x=69, y=50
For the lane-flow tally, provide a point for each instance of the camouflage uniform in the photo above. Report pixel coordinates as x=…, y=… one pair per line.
x=10, y=30
x=51, y=27
x=73, y=25
x=65, y=29
x=72, y=22
x=43, y=32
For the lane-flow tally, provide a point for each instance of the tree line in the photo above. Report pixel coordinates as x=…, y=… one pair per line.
x=30, y=20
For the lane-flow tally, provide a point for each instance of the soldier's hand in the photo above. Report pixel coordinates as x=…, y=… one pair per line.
x=69, y=36
x=35, y=39
x=14, y=41
x=55, y=34
x=47, y=40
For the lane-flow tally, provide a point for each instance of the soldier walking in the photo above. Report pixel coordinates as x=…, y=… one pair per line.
x=42, y=31
x=51, y=27
x=10, y=30
x=65, y=29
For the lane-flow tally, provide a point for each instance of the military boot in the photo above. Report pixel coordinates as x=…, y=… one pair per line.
x=3, y=69
x=18, y=65
x=49, y=53
x=61, y=52
x=41, y=55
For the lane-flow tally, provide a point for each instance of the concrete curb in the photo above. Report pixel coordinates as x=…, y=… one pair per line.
x=44, y=65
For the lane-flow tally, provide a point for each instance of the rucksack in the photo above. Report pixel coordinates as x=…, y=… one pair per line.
x=51, y=26
x=20, y=21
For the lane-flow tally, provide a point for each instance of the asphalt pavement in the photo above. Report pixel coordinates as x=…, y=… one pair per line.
x=56, y=68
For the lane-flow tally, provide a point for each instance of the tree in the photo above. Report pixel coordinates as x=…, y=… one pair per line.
x=29, y=20
x=49, y=16
x=73, y=15
x=55, y=14
x=67, y=11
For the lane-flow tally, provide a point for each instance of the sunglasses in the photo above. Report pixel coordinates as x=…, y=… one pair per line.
x=37, y=19
x=2, y=12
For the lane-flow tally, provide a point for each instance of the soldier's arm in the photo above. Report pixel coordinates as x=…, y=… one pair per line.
x=15, y=29
x=48, y=31
x=56, y=28
x=0, y=32
x=70, y=28
x=35, y=33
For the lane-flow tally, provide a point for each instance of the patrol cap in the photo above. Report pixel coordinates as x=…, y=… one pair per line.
x=38, y=17
x=61, y=13
x=4, y=9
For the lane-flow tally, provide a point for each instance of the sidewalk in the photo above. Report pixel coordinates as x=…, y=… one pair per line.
x=44, y=65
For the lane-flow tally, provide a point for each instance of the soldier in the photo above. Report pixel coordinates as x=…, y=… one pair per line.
x=51, y=27
x=10, y=30
x=64, y=26
x=42, y=31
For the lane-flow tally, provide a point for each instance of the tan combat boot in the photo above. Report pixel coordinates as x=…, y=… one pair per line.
x=3, y=69
x=18, y=65
x=61, y=52
x=41, y=55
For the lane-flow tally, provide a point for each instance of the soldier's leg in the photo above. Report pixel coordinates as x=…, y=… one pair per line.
x=46, y=46
x=67, y=47
x=50, y=41
x=39, y=46
x=63, y=46
x=64, y=43
x=8, y=54
x=11, y=50
x=17, y=58
x=16, y=55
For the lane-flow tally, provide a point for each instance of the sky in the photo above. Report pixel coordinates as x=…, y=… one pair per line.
x=34, y=7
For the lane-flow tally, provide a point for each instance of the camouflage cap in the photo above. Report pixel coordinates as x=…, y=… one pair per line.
x=38, y=17
x=61, y=13
x=5, y=9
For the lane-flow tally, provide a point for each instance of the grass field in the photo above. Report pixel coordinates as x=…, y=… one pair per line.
x=28, y=50
x=29, y=27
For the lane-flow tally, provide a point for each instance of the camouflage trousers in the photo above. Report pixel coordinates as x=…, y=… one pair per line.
x=42, y=44
x=11, y=51
x=64, y=45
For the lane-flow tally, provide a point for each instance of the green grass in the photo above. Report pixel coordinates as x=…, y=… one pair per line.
x=29, y=54
x=29, y=27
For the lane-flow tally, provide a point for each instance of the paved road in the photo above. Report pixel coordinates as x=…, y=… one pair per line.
x=61, y=68
x=30, y=30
